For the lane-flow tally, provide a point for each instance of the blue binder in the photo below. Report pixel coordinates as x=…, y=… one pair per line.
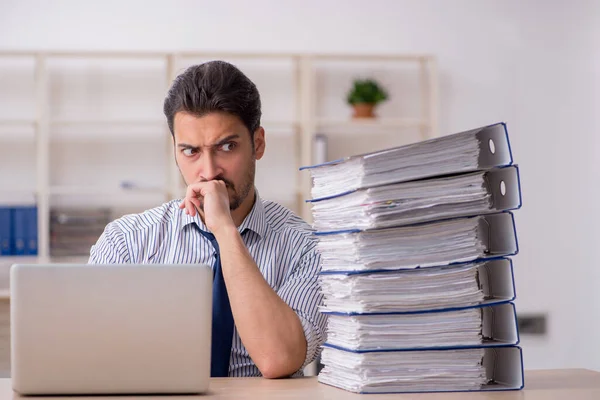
x=496, y=153
x=502, y=360
x=6, y=237
x=497, y=235
x=369, y=347
x=19, y=230
x=502, y=185
x=503, y=370
x=499, y=328
x=31, y=231
x=496, y=280
x=377, y=168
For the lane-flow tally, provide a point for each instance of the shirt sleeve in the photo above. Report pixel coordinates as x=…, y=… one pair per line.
x=302, y=293
x=111, y=247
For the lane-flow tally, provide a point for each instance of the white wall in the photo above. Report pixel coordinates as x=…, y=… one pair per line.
x=530, y=64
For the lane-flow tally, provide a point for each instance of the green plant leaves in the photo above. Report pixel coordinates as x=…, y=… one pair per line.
x=366, y=91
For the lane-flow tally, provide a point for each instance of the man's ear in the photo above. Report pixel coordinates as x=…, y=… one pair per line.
x=259, y=143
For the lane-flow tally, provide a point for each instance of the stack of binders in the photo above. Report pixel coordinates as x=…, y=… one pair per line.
x=19, y=230
x=416, y=275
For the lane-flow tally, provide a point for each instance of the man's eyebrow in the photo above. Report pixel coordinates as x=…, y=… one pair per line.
x=219, y=143
x=188, y=146
x=226, y=139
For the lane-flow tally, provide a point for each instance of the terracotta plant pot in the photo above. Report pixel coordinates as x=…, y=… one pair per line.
x=364, y=110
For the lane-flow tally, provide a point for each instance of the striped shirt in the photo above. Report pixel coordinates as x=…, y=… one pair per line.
x=280, y=243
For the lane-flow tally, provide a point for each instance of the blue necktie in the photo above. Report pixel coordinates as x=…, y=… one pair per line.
x=222, y=319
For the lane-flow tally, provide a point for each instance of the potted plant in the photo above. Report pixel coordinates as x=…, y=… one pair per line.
x=364, y=96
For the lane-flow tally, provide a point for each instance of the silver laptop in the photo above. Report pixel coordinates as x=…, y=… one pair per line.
x=110, y=329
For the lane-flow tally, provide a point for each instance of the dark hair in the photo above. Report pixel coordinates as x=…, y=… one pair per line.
x=214, y=86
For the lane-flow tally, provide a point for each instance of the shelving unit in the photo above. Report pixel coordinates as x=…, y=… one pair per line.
x=297, y=124
x=43, y=128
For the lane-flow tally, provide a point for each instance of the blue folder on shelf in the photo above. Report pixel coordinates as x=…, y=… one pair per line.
x=24, y=230
x=31, y=231
x=6, y=234
x=19, y=230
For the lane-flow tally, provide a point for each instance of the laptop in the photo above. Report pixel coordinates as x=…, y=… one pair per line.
x=110, y=329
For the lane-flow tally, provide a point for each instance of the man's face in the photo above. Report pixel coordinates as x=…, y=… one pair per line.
x=218, y=146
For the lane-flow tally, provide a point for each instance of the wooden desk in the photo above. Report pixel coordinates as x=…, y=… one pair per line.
x=574, y=384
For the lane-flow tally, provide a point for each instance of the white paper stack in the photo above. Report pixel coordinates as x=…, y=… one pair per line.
x=417, y=285
x=403, y=291
x=472, y=150
x=491, y=324
x=384, y=372
x=383, y=332
x=419, y=201
x=435, y=243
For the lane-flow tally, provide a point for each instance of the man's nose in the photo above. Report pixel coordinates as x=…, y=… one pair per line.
x=210, y=167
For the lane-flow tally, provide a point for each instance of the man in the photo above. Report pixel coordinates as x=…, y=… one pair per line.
x=265, y=264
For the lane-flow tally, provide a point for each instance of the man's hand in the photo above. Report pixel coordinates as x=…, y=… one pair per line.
x=213, y=199
x=270, y=330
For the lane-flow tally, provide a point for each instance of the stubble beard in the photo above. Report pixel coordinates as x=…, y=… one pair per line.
x=236, y=198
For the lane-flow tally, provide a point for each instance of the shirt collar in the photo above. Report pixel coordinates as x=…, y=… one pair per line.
x=255, y=220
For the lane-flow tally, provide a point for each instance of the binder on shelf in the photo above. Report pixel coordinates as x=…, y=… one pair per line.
x=74, y=230
x=424, y=370
x=31, y=231
x=477, y=149
x=487, y=326
x=449, y=288
x=421, y=245
x=420, y=201
x=6, y=234
x=20, y=230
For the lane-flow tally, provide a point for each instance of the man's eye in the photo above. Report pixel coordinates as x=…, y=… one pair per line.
x=188, y=152
x=228, y=146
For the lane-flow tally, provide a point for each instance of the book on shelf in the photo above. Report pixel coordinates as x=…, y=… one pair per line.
x=73, y=231
x=18, y=229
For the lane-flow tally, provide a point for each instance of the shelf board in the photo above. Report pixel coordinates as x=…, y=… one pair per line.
x=99, y=191
x=18, y=122
x=18, y=191
x=111, y=129
x=373, y=57
x=279, y=125
x=69, y=259
x=19, y=130
x=274, y=125
x=143, y=121
x=10, y=260
x=108, y=121
x=216, y=54
x=371, y=123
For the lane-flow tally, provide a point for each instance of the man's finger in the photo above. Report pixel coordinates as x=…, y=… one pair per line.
x=192, y=208
x=196, y=202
